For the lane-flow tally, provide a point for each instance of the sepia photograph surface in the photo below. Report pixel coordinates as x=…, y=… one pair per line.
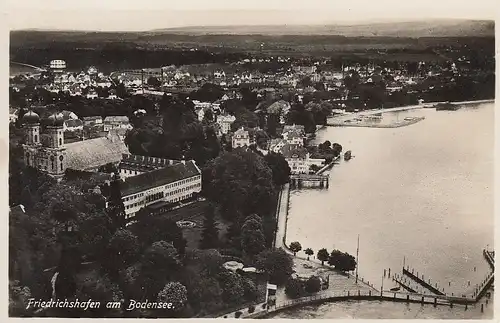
x=267, y=160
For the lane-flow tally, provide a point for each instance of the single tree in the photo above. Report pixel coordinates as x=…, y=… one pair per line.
x=123, y=248
x=210, y=234
x=174, y=293
x=252, y=236
x=313, y=284
x=323, y=255
x=342, y=261
x=116, y=209
x=294, y=288
x=153, y=81
x=160, y=263
x=277, y=264
x=309, y=252
x=295, y=247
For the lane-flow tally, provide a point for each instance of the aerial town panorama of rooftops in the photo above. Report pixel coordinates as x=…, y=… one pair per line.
x=137, y=183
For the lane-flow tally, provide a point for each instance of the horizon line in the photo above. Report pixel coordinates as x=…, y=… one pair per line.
x=343, y=23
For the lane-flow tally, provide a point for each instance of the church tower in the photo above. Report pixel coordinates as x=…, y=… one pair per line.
x=56, y=151
x=31, y=124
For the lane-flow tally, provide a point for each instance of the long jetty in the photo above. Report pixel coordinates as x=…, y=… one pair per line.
x=489, y=255
x=327, y=166
x=421, y=281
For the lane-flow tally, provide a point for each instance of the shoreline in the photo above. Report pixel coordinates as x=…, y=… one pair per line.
x=341, y=121
x=366, y=124
x=339, y=298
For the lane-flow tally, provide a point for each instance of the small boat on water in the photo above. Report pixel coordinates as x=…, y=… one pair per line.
x=347, y=155
x=395, y=289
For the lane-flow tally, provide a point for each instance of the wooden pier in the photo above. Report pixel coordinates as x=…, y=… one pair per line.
x=490, y=258
x=314, y=180
x=421, y=281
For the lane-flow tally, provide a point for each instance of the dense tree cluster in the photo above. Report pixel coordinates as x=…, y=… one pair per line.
x=180, y=136
x=342, y=260
x=296, y=288
x=325, y=150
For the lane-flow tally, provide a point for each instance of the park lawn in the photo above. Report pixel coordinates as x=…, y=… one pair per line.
x=195, y=212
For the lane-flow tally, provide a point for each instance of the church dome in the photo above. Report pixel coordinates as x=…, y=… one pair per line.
x=55, y=120
x=30, y=117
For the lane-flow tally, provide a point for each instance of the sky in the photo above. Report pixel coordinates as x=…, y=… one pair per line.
x=139, y=15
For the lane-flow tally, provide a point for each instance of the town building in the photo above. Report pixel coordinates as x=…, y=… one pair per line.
x=118, y=132
x=225, y=122
x=91, y=121
x=159, y=189
x=114, y=122
x=241, y=138
x=299, y=160
x=275, y=145
x=294, y=137
x=73, y=125
x=50, y=154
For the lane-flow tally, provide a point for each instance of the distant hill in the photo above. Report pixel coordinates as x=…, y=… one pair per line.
x=414, y=29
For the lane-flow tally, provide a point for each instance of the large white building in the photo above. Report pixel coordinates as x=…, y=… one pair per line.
x=159, y=189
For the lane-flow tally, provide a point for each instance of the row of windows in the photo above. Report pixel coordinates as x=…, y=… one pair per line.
x=155, y=197
x=159, y=196
x=129, y=198
x=184, y=181
x=184, y=189
x=131, y=172
x=133, y=205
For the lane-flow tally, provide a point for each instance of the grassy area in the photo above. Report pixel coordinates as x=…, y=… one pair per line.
x=195, y=212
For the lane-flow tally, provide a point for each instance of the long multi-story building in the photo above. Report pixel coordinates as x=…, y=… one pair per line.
x=159, y=189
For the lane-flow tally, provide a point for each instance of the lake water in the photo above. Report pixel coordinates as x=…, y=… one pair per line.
x=423, y=193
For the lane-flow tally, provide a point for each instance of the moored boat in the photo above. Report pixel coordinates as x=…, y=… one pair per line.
x=347, y=155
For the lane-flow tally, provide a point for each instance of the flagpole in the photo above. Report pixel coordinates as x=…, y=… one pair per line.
x=357, y=260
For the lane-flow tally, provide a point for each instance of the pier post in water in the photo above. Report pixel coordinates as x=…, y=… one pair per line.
x=422, y=301
x=482, y=308
x=466, y=307
x=435, y=301
x=407, y=298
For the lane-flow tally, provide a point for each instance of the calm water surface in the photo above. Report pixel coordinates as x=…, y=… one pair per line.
x=422, y=192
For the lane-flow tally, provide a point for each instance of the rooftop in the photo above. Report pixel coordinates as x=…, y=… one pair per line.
x=123, y=119
x=159, y=177
x=294, y=151
x=92, y=153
